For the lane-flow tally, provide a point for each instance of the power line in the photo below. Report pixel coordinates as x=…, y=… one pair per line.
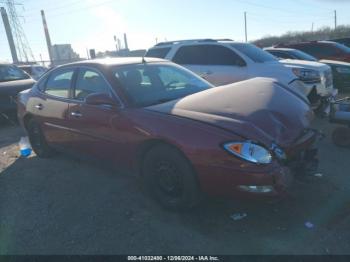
x=274, y=21
x=73, y=10
x=329, y=14
x=272, y=7
x=54, y=8
x=21, y=42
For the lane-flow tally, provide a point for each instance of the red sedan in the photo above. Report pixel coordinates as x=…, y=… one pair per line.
x=183, y=136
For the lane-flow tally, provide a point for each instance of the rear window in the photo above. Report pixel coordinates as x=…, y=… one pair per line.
x=317, y=50
x=59, y=83
x=207, y=55
x=254, y=53
x=158, y=52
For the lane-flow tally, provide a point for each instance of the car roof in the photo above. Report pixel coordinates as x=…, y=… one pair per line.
x=328, y=42
x=191, y=41
x=118, y=61
x=280, y=49
x=314, y=42
x=29, y=65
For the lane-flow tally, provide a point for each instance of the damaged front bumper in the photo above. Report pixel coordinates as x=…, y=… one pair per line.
x=302, y=159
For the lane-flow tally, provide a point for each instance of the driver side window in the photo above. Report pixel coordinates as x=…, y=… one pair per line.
x=90, y=82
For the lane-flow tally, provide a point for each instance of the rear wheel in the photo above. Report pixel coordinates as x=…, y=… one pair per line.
x=38, y=141
x=341, y=137
x=170, y=178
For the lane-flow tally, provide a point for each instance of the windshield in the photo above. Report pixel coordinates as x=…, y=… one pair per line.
x=150, y=84
x=303, y=56
x=254, y=53
x=11, y=73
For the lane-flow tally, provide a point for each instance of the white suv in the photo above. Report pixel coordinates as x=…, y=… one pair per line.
x=224, y=61
x=314, y=73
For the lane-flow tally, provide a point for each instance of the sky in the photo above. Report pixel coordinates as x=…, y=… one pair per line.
x=93, y=23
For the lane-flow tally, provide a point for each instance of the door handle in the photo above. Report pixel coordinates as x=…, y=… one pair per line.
x=76, y=114
x=39, y=106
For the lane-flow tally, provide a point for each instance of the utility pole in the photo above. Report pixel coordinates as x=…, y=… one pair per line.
x=245, y=26
x=312, y=27
x=41, y=59
x=119, y=44
x=116, y=43
x=47, y=36
x=9, y=35
x=335, y=19
x=126, y=42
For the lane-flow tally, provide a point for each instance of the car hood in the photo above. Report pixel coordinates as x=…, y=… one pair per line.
x=14, y=87
x=305, y=64
x=333, y=62
x=276, y=70
x=258, y=109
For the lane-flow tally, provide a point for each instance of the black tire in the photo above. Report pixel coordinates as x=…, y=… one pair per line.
x=341, y=137
x=170, y=179
x=38, y=141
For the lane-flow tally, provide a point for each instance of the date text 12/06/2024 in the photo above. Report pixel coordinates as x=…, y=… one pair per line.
x=173, y=258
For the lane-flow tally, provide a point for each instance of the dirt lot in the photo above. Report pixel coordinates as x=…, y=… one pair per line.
x=66, y=206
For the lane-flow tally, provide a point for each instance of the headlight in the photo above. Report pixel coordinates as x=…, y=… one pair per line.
x=250, y=152
x=343, y=70
x=307, y=75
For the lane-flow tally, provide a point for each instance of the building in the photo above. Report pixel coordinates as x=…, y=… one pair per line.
x=122, y=53
x=64, y=53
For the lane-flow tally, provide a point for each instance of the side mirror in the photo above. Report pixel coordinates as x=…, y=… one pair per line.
x=101, y=99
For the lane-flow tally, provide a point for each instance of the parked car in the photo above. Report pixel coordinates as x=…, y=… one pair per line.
x=344, y=41
x=340, y=70
x=323, y=50
x=35, y=71
x=223, y=62
x=12, y=81
x=183, y=136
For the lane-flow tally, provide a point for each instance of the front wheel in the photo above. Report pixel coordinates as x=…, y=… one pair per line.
x=38, y=141
x=170, y=179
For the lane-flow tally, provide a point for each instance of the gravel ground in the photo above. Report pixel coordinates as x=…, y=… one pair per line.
x=66, y=206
